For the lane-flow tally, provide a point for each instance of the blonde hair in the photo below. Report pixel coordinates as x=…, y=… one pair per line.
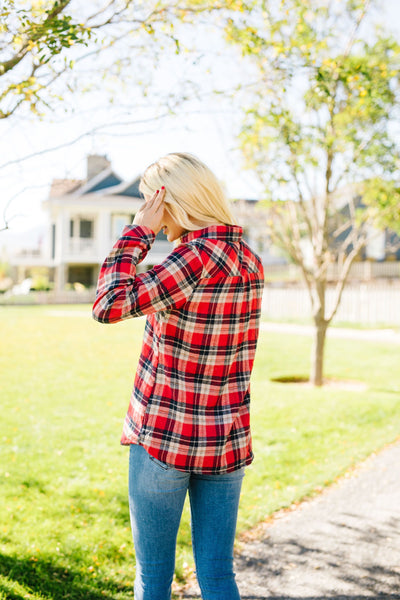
x=194, y=197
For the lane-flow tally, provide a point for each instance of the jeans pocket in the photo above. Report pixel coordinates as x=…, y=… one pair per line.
x=159, y=463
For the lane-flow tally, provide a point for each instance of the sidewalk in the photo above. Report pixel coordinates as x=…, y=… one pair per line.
x=344, y=544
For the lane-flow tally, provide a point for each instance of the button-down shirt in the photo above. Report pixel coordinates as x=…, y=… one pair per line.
x=190, y=402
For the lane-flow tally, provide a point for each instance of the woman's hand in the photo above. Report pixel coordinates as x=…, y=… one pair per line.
x=151, y=213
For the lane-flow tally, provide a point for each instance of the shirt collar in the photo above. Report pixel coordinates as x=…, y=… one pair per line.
x=227, y=233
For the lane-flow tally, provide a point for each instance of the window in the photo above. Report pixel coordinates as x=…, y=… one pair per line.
x=85, y=228
x=118, y=222
x=71, y=229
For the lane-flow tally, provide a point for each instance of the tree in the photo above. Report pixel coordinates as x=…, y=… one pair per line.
x=383, y=200
x=319, y=133
x=40, y=41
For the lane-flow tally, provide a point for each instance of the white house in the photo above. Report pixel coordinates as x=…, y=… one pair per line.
x=85, y=219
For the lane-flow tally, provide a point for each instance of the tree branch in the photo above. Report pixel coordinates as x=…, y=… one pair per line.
x=356, y=155
x=80, y=137
x=344, y=275
x=7, y=220
x=12, y=62
x=102, y=10
x=302, y=202
x=284, y=241
x=356, y=28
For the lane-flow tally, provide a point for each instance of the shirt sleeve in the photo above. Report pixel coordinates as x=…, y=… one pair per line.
x=122, y=293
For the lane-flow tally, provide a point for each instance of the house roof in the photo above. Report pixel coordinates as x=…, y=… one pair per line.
x=105, y=183
x=126, y=188
x=60, y=187
x=102, y=181
x=108, y=181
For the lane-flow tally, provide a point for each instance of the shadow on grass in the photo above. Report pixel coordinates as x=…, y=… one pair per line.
x=22, y=576
x=290, y=379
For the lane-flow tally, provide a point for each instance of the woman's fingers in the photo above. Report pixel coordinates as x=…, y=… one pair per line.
x=157, y=197
x=155, y=204
x=151, y=213
x=152, y=199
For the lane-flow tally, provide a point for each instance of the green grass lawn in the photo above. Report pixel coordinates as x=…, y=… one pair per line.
x=65, y=386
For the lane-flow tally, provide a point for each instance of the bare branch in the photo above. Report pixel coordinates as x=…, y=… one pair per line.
x=338, y=232
x=283, y=240
x=5, y=115
x=356, y=28
x=302, y=202
x=356, y=155
x=310, y=189
x=7, y=220
x=295, y=246
x=344, y=275
x=80, y=137
x=101, y=11
x=356, y=233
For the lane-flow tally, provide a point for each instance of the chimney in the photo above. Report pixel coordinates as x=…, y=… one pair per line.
x=96, y=164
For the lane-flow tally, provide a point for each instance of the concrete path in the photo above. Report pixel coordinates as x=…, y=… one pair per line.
x=391, y=336
x=344, y=544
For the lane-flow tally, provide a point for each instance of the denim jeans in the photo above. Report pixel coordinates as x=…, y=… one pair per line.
x=156, y=498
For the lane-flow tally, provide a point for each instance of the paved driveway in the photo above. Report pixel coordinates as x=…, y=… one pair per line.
x=344, y=544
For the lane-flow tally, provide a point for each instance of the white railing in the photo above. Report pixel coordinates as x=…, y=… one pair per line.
x=82, y=247
x=30, y=258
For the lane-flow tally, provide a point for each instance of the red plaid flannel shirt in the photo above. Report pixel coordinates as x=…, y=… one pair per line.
x=190, y=403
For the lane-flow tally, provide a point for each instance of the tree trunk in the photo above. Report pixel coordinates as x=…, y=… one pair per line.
x=317, y=354
x=321, y=325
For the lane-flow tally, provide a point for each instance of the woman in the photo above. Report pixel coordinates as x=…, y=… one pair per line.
x=188, y=420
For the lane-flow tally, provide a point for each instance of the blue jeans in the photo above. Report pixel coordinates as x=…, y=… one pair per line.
x=156, y=498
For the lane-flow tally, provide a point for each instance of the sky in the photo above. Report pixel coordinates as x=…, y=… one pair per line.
x=126, y=133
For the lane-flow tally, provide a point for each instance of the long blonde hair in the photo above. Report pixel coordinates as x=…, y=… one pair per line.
x=194, y=197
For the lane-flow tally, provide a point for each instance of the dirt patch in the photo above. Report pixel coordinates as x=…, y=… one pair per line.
x=329, y=382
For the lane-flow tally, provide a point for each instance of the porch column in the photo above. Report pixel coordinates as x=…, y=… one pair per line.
x=60, y=277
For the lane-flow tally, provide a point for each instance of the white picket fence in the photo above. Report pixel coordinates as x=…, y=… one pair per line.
x=53, y=297
x=363, y=303
x=367, y=303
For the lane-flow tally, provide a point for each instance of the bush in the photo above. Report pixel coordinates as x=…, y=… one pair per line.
x=41, y=284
